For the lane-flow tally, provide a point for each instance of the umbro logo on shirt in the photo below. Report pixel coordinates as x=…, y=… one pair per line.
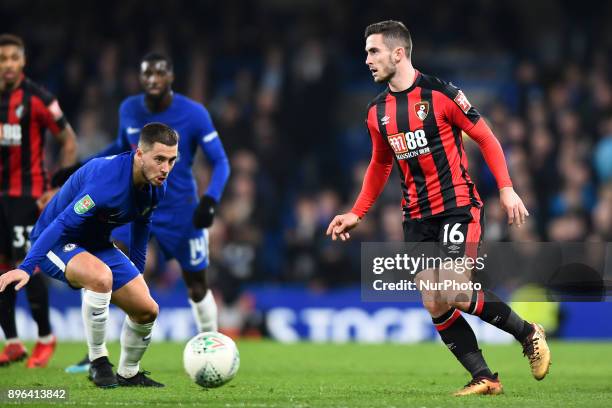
x=385, y=120
x=131, y=130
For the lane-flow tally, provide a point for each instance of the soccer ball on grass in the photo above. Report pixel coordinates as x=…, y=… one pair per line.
x=211, y=359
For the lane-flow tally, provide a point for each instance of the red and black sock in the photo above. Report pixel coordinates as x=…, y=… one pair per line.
x=38, y=297
x=459, y=337
x=490, y=308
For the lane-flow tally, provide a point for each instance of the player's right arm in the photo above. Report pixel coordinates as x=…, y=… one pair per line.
x=376, y=177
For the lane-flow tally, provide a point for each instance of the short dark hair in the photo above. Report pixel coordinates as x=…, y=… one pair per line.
x=392, y=32
x=11, y=39
x=156, y=132
x=158, y=56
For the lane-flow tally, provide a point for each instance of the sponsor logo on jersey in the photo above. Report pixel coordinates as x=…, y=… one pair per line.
x=10, y=135
x=408, y=145
x=462, y=102
x=84, y=204
x=398, y=143
x=131, y=130
x=421, y=109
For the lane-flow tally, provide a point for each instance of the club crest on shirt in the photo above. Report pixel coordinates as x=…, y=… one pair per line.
x=19, y=111
x=421, y=109
x=69, y=247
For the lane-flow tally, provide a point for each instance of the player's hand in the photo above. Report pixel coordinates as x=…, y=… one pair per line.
x=205, y=213
x=45, y=198
x=63, y=174
x=340, y=226
x=16, y=275
x=513, y=206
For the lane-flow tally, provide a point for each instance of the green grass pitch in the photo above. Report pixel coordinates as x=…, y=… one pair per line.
x=348, y=375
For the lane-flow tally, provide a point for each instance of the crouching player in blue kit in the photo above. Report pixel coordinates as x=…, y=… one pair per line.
x=70, y=242
x=180, y=222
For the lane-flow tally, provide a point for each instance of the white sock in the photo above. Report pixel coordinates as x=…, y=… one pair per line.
x=13, y=340
x=135, y=338
x=205, y=313
x=94, y=309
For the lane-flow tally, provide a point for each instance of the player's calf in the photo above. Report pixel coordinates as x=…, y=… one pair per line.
x=202, y=301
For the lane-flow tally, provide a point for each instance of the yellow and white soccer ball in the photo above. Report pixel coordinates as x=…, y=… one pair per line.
x=211, y=359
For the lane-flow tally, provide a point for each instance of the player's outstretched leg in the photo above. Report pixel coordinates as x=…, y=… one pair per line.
x=202, y=302
x=490, y=308
x=38, y=297
x=134, y=299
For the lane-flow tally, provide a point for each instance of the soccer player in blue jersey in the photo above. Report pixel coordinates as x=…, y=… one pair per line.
x=180, y=222
x=71, y=243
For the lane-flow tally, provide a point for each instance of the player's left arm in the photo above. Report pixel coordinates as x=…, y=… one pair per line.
x=53, y=118
x=462, y=114
x=213, y=149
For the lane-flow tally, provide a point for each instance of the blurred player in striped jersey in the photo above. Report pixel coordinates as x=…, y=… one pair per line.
x=26, y=111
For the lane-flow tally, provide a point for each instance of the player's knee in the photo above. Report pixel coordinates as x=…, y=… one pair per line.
x=148, y=314
x=102, y=281
x=435, y=308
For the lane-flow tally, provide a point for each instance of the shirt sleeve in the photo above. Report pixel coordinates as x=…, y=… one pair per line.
x=67, y=224
x=461, y=113
x=211, y=145
x=50, y=113
x=459, y=110
x=378, y=170
x=492, y=152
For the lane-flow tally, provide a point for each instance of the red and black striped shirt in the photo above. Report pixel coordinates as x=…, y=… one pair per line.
x=25, y=113
x=420, y=129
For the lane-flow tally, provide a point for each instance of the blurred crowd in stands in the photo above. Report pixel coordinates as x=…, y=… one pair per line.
x=287, y=88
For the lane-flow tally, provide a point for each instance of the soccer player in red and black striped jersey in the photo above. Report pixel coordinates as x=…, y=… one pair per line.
x=417, y=124
x=26, y=112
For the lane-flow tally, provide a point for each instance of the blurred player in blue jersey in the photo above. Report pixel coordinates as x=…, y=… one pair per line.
x=180, y=222
x=71, y=243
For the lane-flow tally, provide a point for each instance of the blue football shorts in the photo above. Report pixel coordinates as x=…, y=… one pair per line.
x=54, y=264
